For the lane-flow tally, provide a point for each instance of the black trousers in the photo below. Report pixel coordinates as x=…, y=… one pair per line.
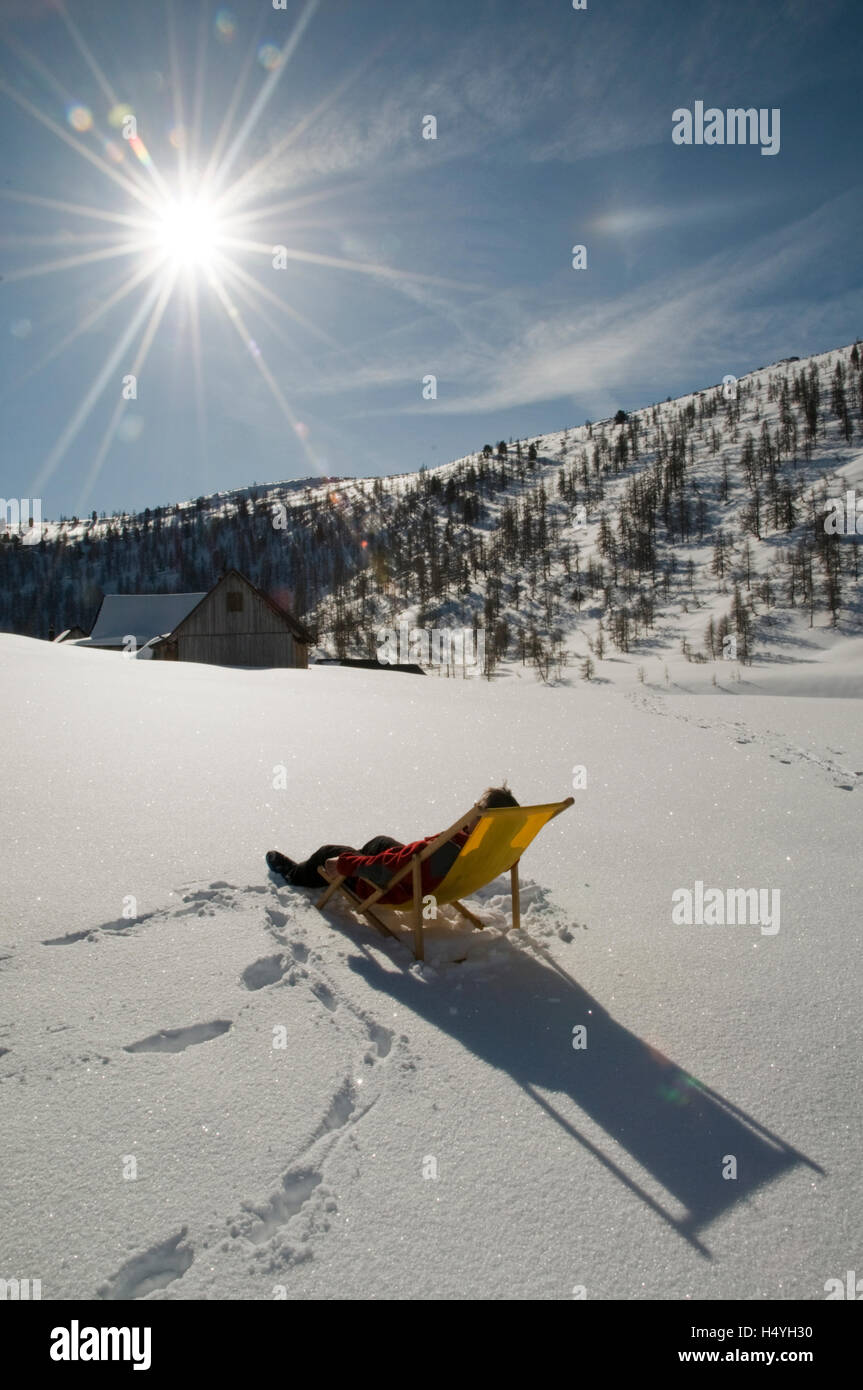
x=306, y=875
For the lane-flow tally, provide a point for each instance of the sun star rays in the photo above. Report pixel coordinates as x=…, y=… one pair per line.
x=201, y=230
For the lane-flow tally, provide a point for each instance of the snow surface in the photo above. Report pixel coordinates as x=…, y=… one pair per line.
x=302, y=1168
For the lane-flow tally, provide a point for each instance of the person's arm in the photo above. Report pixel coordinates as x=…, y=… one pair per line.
x=380, y=868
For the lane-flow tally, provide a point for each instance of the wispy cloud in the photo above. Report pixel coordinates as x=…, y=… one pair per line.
x=705, y=321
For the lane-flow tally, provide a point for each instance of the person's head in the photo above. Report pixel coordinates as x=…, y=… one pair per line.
x=491, y=797
x=496, y=796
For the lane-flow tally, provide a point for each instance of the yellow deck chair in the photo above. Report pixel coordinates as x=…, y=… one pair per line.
x=496, y=843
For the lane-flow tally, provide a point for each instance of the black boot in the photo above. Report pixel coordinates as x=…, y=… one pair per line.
x=280, y=863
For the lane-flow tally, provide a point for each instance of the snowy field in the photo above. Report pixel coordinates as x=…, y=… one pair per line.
x=157, y=1144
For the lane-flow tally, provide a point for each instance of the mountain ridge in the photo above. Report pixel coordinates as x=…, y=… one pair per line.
x=613, y=534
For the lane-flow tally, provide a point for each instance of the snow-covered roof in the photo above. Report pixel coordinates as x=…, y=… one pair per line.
x=141, y=616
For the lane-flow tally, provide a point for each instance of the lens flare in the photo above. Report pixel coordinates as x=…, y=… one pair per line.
x=80, y=118
x=118, y=114
x=269, y=56
x=140, y=150
x=225, y=25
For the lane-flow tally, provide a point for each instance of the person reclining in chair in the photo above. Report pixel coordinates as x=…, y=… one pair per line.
x=373, y=866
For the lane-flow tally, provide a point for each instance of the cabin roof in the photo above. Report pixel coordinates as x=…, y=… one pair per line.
x=141, y=616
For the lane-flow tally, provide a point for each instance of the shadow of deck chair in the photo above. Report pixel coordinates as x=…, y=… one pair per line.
x=495, y=845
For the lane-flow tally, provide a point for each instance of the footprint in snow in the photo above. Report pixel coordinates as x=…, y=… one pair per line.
x=154, y=1269
x=325, y=996
x=381, y=1038
x=266, y=971
x=178, y=1039
x=297, y=1188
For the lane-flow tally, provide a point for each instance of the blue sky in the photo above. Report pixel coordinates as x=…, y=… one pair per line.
x=553, y=129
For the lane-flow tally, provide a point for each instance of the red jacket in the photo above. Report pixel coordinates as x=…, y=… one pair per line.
x=379, y=868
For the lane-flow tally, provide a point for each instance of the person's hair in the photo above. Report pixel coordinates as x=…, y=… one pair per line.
x=496, y=796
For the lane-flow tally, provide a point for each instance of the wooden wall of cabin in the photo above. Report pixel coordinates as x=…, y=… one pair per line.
x=243, y=649
x=233, y=626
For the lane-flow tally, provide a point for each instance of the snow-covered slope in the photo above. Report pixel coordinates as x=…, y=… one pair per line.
x=158, y=1144
x=646, y=536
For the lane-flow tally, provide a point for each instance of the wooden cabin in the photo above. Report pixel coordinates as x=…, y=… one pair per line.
x=236, y=624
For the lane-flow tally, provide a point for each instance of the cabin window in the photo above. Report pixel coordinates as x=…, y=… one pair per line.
x=235, y=601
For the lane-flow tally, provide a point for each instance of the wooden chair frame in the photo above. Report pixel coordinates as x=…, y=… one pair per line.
x=414, y=867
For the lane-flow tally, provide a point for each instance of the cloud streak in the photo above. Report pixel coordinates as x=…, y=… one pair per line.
x=705, y=321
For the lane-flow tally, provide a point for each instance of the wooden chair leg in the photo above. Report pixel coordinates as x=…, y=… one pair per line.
x=465, y=912
x=516, y=904
x=338, y=885
x=419, y=948
x=325, y=896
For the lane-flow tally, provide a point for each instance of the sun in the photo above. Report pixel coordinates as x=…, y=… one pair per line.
x=188, y=232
